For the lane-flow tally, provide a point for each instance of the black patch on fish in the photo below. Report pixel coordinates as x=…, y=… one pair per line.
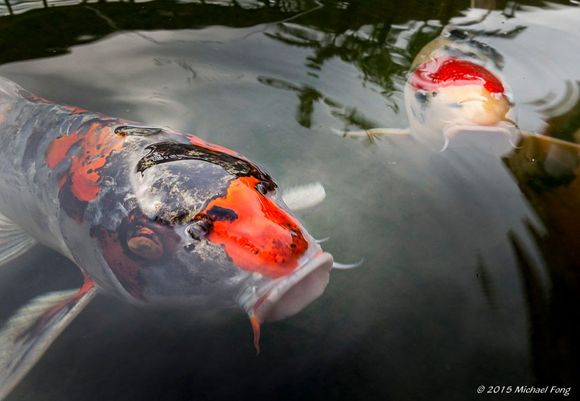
x=460, y=53
x=221, y=213
x=127, y=130
x=165, y=152
x=73, y=206
x=458, y=34
x=199, y=228
x=32, y=145
x=480, y=50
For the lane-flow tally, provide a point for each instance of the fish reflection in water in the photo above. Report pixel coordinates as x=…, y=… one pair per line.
x=152, y=215
x=548, y=174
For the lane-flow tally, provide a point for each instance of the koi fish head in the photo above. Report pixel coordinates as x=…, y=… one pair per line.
x=207, y=227
x=446, y=92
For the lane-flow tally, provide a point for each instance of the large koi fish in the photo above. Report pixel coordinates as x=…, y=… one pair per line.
x=151, y=214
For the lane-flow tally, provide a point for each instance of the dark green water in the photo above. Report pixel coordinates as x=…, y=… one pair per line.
x=471, y=273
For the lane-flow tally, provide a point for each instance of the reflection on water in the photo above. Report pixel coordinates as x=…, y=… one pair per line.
x=548, y=176
x=470, y=274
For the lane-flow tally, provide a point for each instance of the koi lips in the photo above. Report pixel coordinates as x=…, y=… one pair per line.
x=255, y=232
x=290, y=294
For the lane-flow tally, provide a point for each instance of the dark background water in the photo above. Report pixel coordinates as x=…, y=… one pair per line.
x=470, y=276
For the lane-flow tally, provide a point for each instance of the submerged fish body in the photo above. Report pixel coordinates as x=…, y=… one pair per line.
x=452, y=86
x=154, y=215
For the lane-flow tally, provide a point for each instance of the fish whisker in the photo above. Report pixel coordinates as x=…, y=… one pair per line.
x=346, y=266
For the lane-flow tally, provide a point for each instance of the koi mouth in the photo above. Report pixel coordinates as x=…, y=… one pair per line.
x=294, y=292
x=481, y=137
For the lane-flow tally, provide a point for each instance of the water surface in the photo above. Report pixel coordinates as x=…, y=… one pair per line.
x=470, y=275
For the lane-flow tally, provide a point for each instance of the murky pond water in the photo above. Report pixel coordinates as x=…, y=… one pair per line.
x=470, y=273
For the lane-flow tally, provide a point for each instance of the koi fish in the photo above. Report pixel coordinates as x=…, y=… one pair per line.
x=153, y=215
x=450, y=89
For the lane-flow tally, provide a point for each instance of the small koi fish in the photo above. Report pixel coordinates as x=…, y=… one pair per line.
x=451, y=88
x=150, y=214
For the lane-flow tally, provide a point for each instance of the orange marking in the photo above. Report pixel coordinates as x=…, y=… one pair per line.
x=256, y=330
x=74, y=109
x=80, y=183
x=98, y=143
x=263, y=238
x=58, y=149
x=87, y=285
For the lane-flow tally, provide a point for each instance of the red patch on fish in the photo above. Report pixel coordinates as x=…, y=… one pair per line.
x=261, y=237
x=74, y=109
x=98, y=143
x=59, y=148
x=80, y=183
x=447, y=71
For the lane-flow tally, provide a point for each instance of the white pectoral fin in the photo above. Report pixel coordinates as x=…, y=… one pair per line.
x=304, y=196
x=34, y=327
x=374, y=133
x=13, y=241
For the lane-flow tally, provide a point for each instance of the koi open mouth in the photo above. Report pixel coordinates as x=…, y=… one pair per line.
x=291, y=294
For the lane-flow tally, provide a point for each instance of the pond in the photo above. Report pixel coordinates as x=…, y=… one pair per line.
x=470, y=274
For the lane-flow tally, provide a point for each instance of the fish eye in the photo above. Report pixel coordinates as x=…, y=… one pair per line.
x=434, y=93
x=264, y=187
x=421, y=96
x=198, y=229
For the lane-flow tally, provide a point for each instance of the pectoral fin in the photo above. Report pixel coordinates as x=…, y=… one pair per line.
x=13, y=241
x=304, y=196
x=374, y=133
x=29, y=333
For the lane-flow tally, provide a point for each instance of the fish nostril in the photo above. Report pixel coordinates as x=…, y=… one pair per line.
x=264, y=187
x=198, y=229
